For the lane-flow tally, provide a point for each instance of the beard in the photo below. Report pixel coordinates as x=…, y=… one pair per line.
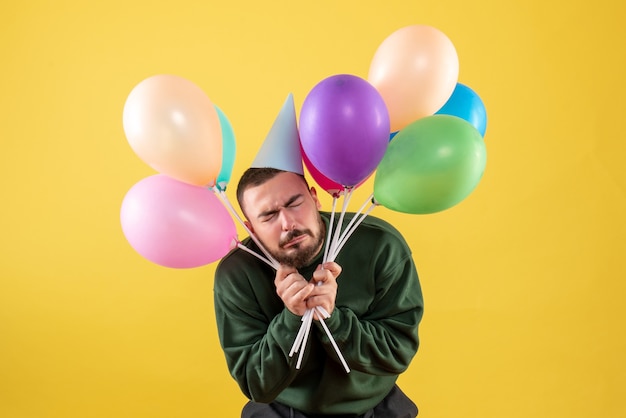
x=303, y=254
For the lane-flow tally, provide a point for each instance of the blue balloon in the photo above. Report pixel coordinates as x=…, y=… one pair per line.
x=228, y=150
x=466, y=104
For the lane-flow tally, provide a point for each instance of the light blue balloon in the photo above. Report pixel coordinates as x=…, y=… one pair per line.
x=466, y=104
x=228, y=150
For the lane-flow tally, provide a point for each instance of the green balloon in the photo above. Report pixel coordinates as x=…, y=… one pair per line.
x=430, y=165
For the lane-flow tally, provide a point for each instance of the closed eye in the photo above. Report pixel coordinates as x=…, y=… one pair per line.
x=292, y=202
x=295, y=203
x=267, y=216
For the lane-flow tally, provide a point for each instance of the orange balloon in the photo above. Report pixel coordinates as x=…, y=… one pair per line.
x=415, y=70
x=174, y=128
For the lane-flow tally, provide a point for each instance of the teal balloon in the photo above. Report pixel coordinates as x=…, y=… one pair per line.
x=228, y=150
x=430, y=166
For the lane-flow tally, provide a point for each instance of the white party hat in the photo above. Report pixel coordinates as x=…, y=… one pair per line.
x=281, y=148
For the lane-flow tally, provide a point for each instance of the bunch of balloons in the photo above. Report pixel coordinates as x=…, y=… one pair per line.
x=437, y=154
x=173, y=218
x=411, y=122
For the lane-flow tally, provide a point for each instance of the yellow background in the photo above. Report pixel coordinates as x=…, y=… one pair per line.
x=524, y=280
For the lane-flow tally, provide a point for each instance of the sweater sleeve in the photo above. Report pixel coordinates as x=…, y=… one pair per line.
x=256, y=340
x=383, y=340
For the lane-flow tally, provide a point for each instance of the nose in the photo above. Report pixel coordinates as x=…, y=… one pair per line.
x=288, y=223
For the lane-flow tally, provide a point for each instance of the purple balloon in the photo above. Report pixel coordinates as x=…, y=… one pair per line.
x=344, y=128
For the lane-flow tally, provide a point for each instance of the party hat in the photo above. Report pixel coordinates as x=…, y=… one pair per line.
x=281, y=148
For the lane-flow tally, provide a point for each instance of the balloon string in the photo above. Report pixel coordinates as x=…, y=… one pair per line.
x=304, y=330
x=325, y=315
x=346, y=200
x=354, y=218
x=297, y=342
x=307, y=323
x=351, y=228
x=330, y=228
x=260, y=257
x=229, y=206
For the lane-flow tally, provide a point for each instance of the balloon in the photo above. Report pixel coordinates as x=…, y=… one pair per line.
x=415, y=69
x=228, y=150
x=174, y=128
x=465, y=104
x=175, y=224
x=344, y=128
x=431, y=165
x=331, y=187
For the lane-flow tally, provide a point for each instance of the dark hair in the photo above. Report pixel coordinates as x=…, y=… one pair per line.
x=255, y=177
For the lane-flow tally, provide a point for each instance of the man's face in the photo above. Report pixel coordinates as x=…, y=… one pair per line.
x=283, y=214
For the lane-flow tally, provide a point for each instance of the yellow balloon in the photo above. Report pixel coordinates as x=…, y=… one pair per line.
x=415, y=69
x=173, y=127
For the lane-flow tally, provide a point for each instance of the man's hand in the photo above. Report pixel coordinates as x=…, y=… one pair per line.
x=325, y=290
x=293, y=289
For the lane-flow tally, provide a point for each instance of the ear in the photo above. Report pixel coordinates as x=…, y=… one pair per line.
x=249, y=226
x=313, y=192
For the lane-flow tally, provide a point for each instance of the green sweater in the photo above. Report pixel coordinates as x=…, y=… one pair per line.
x=377, y=311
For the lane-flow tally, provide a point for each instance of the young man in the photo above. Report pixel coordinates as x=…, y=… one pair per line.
x=372, y=293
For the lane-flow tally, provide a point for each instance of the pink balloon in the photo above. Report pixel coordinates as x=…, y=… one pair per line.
x=175, y=224
x=333, y=188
